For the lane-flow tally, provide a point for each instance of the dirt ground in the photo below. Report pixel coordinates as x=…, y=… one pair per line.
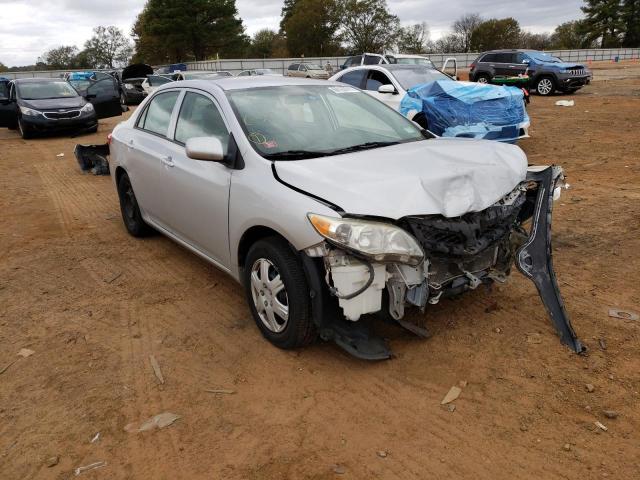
x=94, y=303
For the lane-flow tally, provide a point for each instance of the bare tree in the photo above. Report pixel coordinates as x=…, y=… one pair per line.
x=463, y=27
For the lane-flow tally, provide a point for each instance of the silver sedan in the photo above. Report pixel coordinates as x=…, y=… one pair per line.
x=324, y=203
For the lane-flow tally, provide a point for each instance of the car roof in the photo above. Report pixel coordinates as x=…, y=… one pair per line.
x=510, y=50
x=391, y=67
x=240, y=83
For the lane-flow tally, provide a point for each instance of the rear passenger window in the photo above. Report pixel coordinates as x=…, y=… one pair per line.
x=353, y=78
x=372, y=60
x=157, y=116
x=489, y=57
x=375, y=80
x=504, y=57
x=199, y=117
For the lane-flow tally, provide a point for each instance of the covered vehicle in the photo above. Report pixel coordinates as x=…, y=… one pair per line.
x=131, y=78
x=327, y=205
x=391, y=84
x=469, y=110
x=44, y=105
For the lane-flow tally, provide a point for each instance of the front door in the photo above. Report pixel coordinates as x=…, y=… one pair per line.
x=8, y=107
x=196, y=192
x=104, y=94
x=375, y=79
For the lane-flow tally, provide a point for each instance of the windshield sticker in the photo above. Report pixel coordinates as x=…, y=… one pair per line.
x=343, y=89
x=260, y=139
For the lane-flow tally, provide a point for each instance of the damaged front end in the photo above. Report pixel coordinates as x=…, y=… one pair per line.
x=371, y=266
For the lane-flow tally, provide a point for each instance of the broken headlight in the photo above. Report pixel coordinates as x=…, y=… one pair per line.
x=88, y=108
x=381, y=242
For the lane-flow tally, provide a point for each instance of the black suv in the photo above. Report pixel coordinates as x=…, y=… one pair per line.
x=548, y=73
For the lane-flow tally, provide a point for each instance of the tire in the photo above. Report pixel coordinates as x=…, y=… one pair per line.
x=24, y=133
x=130, y=210
x=545, y=86
x=273, y=258
x=483, y=78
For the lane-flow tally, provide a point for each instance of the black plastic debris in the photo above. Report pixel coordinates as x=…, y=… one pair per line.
x=93, y=158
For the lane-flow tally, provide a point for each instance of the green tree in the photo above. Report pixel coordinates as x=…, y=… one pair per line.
x=3, y=67
x=412, y=38
x=182, y=30
x=463, y=27
x=631, y=20
x=108, y=48
x=535, y=41
x=287, y=11
x=311, y=28
x=569, y=36
x=603, y=21
x=267, y=43
x=367, y=25
x=60, y=58
x=494, y=33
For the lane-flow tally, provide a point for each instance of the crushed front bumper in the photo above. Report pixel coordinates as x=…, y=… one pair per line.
x=460, y=255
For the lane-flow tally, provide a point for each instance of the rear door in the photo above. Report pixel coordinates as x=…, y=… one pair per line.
x=505, y=64
x=148, y=150
x=521, y=64
x=8, y=107
x=196, y=192
x=104, y=94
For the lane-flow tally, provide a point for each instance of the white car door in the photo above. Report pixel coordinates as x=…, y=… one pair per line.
x=375, y=79
x=147, y=146
x=196, y=192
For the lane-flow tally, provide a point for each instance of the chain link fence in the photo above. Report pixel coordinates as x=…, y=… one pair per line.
x=280, y=65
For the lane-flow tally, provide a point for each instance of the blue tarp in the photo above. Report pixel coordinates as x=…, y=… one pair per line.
x=467, y=109
x=77, y=76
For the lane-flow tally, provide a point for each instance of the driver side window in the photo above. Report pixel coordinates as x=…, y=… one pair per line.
x=375, y=79
x=199, y=117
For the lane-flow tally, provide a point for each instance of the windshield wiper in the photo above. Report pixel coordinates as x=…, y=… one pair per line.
x=362, y=146
x=293, y=155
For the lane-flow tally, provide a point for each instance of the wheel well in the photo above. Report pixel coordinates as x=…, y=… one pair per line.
x=119, y=172
x=250, y=237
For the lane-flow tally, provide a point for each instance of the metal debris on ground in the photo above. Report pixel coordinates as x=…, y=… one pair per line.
x=60, y=155
x=156, y=369
x=161, y=420
x=93, y=158
x=91, y=466
x=534, y=338
x=601, y=426
x=453, y=393
x=25, y=352
x=339, y=469
x=565, y=103
x=382, y=454
x=220, y=390
x=623, y=314
x=95, y=438
x=4, y=369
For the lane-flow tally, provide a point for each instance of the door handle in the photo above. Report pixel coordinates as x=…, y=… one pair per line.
x=167, y=161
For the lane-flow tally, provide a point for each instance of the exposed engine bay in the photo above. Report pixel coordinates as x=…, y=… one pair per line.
x=460, y=254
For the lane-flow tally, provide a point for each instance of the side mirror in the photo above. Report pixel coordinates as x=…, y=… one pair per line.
x=387, y=89
x=205, y=148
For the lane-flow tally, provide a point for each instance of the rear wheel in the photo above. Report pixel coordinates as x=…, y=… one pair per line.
x=278, y=294
x=545, y=86
x=483, y=78
x=131, y=215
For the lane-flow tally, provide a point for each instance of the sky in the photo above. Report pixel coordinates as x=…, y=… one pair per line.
x=31, y=27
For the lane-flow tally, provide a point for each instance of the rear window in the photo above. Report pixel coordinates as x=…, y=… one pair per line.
x=157, y=115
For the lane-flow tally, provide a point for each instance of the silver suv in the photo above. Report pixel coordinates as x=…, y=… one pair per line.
x=327, y=205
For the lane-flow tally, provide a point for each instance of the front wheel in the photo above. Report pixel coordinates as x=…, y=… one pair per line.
x=545, y=86
x=24, y=133
x=278, y=294
x=131, y=215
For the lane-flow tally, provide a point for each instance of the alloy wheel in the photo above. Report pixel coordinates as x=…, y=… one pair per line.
x=483, y=80
x=269, y=295
x=545, y=86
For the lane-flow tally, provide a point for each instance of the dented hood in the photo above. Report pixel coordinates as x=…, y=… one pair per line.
x=442, y=176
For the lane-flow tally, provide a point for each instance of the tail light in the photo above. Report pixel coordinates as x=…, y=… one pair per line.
x=109, y=137
x=472, y=66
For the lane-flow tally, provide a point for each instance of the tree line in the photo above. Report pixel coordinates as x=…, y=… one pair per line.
x=174, y=31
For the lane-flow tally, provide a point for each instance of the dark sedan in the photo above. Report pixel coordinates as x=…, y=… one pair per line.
x=40, y=105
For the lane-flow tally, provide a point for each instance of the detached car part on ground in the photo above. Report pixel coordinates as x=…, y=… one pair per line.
x=47, y=105
x=442, y=105
x=329, y=206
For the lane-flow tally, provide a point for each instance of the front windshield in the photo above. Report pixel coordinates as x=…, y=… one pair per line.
x=415, y=61
x=417, y=76
x=544, y=57
x=44, y=90
x=294, y=122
